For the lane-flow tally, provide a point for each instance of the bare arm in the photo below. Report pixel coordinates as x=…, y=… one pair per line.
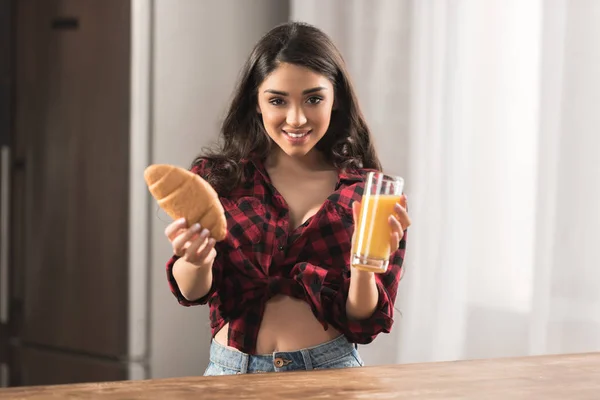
x=194, y=281
x=363, y=295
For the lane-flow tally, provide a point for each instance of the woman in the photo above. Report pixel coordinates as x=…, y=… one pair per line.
x=289, y=172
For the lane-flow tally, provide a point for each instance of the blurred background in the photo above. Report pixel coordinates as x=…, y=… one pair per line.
x=489, y=109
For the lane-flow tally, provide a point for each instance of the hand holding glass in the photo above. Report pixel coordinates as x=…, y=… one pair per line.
x=371, y=247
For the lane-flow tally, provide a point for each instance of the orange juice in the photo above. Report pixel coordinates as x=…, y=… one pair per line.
x=371, y=250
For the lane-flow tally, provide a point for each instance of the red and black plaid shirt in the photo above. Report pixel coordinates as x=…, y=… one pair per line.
x=261, y=258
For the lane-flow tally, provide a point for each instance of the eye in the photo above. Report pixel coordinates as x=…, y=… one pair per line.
x=314, y=100
x=277, y=101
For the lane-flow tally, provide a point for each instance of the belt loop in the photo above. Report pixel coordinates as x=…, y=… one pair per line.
x=307, y=360
x=245, y=360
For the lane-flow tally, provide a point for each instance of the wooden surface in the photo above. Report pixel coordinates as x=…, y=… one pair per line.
x=548, y=377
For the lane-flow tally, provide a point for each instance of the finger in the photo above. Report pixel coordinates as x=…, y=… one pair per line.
x=179, y=243
x=195, y=244
x=403, y=201
x=211, y=256
x=204, y=254
x=173, y=229
x=356, y=210
x=396, y=226
x=402, y=216
x=355, y=214
x=395, y=241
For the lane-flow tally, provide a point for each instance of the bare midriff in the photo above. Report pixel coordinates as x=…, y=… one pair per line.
x=288, y=324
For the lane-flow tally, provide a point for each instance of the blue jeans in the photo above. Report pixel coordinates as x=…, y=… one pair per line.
x=337, y=353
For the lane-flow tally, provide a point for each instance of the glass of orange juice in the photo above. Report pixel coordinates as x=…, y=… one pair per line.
x=371, y=247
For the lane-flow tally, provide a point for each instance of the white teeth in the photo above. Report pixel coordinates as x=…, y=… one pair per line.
x=296, y=135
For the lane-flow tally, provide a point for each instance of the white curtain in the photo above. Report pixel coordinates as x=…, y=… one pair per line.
x=490, y=111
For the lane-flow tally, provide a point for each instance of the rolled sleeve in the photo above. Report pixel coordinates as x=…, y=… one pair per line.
x=216, y=275
x=364, y=331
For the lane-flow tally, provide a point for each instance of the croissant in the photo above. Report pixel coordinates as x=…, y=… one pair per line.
x=181, y=193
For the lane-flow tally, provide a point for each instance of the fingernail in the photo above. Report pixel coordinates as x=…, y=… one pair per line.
x=196, y=227
x=205, y=232
x=212, y=241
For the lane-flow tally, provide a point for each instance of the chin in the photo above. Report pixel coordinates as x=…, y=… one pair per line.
x=297, y=153
x=296, y=150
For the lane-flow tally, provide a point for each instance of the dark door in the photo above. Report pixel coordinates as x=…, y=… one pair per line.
x=6, y=85
x=47, y=367
x=70, y=187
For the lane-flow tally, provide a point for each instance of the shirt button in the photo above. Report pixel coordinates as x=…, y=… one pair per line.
x=280, y=248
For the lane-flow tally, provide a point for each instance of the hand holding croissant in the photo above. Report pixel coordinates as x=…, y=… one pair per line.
x=195, y=207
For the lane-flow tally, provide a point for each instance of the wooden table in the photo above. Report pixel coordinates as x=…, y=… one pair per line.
x=574, y=376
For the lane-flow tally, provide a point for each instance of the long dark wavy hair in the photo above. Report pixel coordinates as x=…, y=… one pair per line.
x=347, y=142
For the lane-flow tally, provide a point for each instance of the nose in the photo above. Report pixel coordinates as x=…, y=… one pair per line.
x=296, y=117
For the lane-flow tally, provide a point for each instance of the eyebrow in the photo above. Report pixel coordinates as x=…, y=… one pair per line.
x=307, y=91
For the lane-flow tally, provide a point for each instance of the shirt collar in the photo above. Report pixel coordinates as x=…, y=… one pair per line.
x=350, y=176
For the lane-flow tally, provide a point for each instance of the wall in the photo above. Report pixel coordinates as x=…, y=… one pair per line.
x=571, y=316
x=191, y=79
x=364, y=32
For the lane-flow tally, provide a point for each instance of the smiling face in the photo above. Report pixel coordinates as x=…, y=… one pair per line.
x=295, y=104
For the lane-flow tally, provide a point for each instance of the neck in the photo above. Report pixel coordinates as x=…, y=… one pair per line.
x=313, y=161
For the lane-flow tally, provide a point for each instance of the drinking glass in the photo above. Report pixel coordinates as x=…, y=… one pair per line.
x=371, y=247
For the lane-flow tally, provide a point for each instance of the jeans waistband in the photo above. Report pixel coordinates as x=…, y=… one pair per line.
x=311, y=357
